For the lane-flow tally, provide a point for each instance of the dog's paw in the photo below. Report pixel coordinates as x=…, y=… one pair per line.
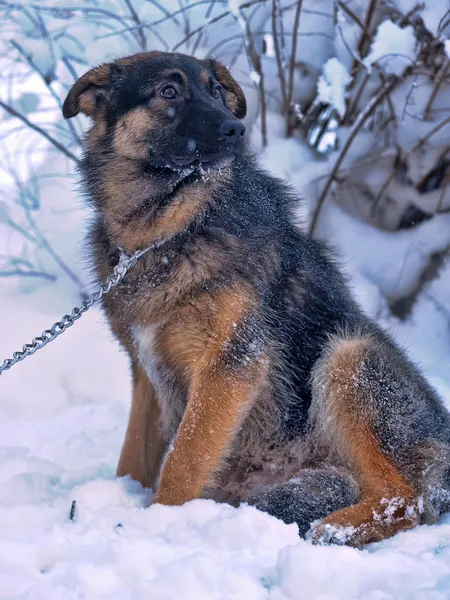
x=322, y=534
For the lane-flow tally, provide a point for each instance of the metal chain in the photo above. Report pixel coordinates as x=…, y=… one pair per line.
x=120, y=270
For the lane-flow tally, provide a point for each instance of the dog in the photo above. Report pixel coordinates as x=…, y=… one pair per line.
x=256, y=376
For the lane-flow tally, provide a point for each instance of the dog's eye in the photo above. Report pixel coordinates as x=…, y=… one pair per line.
x=169, y=92
x=216, y=92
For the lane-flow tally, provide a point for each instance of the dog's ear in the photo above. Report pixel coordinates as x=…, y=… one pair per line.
x=86, y=94
x=234, y=95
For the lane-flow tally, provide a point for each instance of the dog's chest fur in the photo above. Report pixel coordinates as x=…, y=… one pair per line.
x=171, y=396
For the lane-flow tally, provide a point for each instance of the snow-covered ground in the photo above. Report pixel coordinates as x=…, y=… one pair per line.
x=63, y=412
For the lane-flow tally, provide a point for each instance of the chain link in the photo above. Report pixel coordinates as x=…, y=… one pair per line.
x=120, y=270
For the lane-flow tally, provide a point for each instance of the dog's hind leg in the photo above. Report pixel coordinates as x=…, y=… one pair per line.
x=144, y=445
x=312, y=495
x=376, y=410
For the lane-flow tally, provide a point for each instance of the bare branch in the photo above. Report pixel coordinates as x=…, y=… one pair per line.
x=257, y=66
x=440, y=77
x=362, y=118
x=200, y=29
x=343, y=6
x=211, y=21
x=407, y=18
x=402, y=307
x=445, y=187
x=163, y=9
x=365, y=38
x=353, y=105
x=280, y=67
x=445, y=20
x=135, y=17
x=290, y=92
x=47, y=84
x=395, y=170
x=39, y=130
x=30, y=273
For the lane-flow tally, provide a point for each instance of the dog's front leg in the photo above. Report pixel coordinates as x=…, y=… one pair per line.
x=144, y=445
x=218, y=402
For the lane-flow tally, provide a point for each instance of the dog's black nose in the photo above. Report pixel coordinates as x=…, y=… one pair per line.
x=232, y=129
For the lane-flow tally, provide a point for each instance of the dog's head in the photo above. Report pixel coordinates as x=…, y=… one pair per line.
x=170, y=110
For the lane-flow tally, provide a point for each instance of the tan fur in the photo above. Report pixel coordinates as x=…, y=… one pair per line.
x=96, y=132
x=204, y=77
x=218, y=400
x=208, y=324
x=216, y=407
x=130, y=133
x=126, y=190
x=234, y=97
x=82, y=96
x=144, y=446
x=386, y=497
x=171, y=72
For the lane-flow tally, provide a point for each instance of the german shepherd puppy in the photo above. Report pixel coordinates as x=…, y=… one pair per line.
x=256, y=377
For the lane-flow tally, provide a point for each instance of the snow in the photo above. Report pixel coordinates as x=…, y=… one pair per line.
x=255, y=77
x=63, y=412
x=430, y=12
x=394, y=48
x=447, y=47
x=331, y=86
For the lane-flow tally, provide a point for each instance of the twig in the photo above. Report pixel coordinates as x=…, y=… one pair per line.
x=290, y=92
x=32, y=273
x=200, y=28
x=69, y=67
x=402, y=307
x=407, y=18
x=48, y=37
x=136, y=19
x=395, y=170
x=223, y=42
x=57, y=11
x=255, y=59
x=164, y=10
x=23, y=268
x=352, y=15
x=388, y=99
x=364, y=38
x=362, y=118
x=200, y=35
x=42, y=240
x=47, y=84
x=38, y=129
x=46, y=244
x=185, y=18
x=443, y=193
x=445, y=20
x=353, y=106
x=280, y=67
x=211, y=21
x=439, y=80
